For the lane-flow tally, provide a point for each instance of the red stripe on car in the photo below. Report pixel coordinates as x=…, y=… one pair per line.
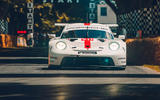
x=87, y=24
x=87, y=42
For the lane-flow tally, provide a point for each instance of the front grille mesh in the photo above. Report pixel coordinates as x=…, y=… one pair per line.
x=81, y=61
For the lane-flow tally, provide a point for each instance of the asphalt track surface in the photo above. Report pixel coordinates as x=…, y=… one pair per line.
x=28, y=78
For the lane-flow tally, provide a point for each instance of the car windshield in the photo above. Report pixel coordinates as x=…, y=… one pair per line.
x=86, y=34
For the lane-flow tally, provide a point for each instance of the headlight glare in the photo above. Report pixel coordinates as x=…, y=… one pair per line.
x=61, y=45
x=114, y=46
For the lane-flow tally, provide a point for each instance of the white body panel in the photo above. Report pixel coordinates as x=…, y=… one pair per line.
x=76, y=48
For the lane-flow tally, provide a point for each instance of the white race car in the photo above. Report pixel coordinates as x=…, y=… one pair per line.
x=86, y=44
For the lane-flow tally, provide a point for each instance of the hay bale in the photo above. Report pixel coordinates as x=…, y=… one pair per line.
x=140, y=51
x=157, y=51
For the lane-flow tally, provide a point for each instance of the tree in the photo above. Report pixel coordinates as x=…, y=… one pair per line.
x=45, y=15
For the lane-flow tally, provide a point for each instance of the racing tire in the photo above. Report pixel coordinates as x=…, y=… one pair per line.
x=122, y=68
x=52, y=66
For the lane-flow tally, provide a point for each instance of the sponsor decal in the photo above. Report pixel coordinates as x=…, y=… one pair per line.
x=87, y=42
x=30, y=16
x=92, y=10
x=87, y=52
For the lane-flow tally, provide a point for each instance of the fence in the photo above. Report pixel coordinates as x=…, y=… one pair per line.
x=147, y=20
x=3, y=26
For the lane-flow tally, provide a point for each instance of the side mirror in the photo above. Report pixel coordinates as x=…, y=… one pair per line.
x=122, y=37
x=52, y=35
x=114, y=34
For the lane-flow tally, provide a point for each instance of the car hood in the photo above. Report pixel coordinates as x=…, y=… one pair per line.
x=87, y=43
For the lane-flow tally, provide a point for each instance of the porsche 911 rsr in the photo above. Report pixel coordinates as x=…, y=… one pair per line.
x=87, y=44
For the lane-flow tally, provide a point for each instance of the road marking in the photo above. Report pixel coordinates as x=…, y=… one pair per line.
x=69, y=81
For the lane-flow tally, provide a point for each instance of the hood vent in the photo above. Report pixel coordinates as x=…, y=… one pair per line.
x=72, y=40
x=102, y=40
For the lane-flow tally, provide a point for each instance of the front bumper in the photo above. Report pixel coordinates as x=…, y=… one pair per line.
x=81, y=60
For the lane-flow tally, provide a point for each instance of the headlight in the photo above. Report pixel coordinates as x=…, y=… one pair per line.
x=61, y=45
x=114, y=46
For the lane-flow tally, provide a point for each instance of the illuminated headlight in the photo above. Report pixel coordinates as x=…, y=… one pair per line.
x=61, y=45
x=114, y=46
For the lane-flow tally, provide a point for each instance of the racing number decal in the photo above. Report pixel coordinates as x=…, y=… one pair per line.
x=87, y=42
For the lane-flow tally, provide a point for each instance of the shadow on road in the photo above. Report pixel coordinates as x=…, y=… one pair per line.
x=17, y=91
x=80, y=75
x=24, y=52
x=85, y=67
x=24, y=60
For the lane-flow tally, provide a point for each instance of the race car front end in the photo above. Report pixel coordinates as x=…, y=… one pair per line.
x=87, y=52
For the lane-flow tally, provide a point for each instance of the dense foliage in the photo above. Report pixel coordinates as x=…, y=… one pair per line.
x=45, y=14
